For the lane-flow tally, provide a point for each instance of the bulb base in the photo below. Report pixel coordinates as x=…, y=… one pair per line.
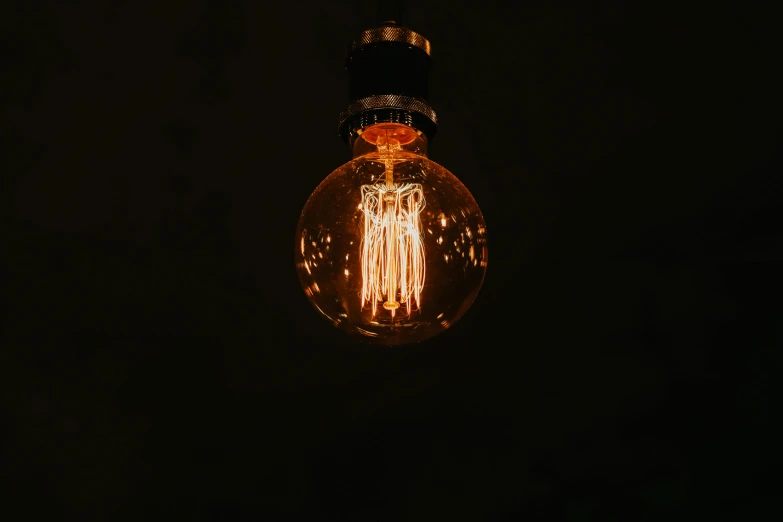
x=390, y=108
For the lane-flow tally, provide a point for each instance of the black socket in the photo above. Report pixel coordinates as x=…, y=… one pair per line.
x=389, y=70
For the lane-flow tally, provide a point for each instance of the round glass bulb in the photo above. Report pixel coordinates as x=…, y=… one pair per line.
x=391, y=246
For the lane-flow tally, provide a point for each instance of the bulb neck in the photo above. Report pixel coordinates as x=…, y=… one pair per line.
x=384, y=139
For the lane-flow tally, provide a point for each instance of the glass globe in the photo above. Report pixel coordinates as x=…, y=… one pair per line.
x=391, y=246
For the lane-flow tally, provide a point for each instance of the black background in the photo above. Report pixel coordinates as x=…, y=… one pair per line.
x=158, y=359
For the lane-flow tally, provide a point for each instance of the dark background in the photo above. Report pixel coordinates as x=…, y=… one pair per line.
x=158, y=359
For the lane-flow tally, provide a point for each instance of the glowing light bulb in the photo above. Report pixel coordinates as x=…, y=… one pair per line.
x=400, y=243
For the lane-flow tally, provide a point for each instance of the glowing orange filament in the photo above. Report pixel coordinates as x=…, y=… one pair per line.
x=392, y=249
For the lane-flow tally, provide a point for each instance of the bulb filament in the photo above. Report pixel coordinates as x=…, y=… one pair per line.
x=392, y=249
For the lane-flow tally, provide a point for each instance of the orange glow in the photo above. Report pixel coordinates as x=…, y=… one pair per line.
x=389, y=133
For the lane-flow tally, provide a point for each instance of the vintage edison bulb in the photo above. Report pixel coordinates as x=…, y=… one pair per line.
x=391, y=246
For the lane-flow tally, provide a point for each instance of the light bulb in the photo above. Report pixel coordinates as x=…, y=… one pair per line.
x=391, y=246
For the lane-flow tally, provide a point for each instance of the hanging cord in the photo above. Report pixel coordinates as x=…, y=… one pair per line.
x=390, y=12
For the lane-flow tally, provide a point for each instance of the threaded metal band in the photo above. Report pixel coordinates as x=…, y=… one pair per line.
x=391, y=33
x=388, y=108
x=388, y=101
